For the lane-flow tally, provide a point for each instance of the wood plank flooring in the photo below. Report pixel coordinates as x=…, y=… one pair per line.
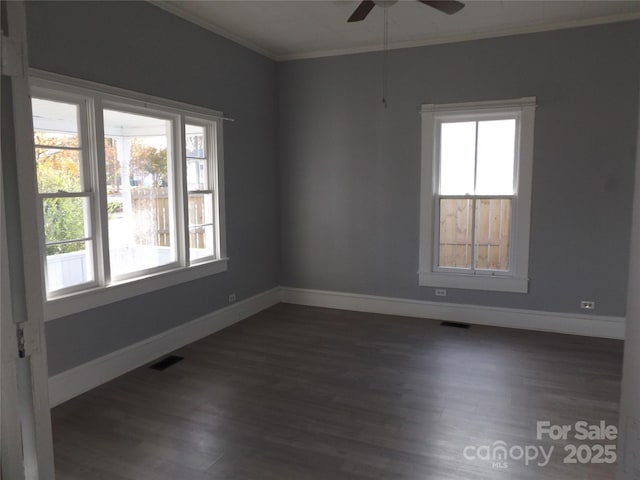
x=306, y=393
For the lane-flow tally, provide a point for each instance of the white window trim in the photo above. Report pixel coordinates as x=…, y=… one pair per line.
x=95, y=295
x=216, y=184
x=516, y=280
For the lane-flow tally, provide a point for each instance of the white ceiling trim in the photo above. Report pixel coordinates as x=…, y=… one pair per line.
x=174, y=8
x=466, y=37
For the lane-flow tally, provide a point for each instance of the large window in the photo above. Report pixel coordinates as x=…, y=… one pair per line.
x=129, y=191
x=476, y=191
x=141, y=225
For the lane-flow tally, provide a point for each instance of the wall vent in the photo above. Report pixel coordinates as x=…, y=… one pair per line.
x=166, y=362
x=455, y=324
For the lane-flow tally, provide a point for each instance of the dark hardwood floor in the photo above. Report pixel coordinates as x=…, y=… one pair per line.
x=309, y=393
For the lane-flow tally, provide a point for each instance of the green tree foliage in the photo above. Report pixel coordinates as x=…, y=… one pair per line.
x=59, y=171
x=149, y=160
x=63, y=220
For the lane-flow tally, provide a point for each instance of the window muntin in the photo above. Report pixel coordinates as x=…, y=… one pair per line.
x=64, y=190
x=95, y=151
x=476, y=194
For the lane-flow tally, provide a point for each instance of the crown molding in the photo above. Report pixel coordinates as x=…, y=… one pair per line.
x=175, y=8
x=464, y=37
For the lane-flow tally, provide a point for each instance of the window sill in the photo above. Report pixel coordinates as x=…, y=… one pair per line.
x=96, y=297
x=474, y=282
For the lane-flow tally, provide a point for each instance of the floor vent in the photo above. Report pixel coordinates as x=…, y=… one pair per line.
x=166, y=362
x=455, y=324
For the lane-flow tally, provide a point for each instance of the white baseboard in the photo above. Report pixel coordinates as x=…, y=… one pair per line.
x=77, y=380
x=574, y=324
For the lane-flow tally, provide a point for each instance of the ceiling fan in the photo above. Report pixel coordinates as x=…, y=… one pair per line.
x=446, y=6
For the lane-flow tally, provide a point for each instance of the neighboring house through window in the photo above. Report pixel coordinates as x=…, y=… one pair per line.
x=476, y=194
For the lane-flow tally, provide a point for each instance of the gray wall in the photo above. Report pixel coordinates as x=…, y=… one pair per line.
x=350, y=169
x=140, y=47
x=628, y=460
x=347, y=214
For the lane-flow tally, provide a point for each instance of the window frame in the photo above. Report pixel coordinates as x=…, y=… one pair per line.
x=97, y=98
x=430, y=274
x=213, y=146
x=174, y=187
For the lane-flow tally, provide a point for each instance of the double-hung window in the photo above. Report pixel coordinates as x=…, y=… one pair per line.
x=130, y=189
x=476, y=195
x=201, y=180
x=65, y=189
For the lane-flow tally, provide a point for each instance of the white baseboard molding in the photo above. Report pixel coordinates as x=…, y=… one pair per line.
x=574, y=324
x=77, y=380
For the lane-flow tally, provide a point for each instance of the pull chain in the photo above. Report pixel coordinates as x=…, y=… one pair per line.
x=384, y=56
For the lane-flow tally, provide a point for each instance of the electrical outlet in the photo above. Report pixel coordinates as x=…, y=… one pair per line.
x=441, y=292
x=587, y=305
x=232, y=298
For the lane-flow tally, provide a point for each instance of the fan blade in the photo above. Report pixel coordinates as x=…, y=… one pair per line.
x=362, y=11
x=447, y=6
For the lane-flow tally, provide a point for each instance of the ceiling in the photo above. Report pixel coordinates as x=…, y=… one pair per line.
x=293, y=29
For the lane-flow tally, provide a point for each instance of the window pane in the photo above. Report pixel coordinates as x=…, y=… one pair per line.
x=493, y=224
x=65, y=219
x=195, y=141
x=113, y=168
x=68, y=265
x=58, y=170
x=196, y=145
x=201, y=242
x=55, y=123
x=496, y=153
x=457, y=158
x=200, y=208
x=138, y=152
x=197, y=174
x=455, y=233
